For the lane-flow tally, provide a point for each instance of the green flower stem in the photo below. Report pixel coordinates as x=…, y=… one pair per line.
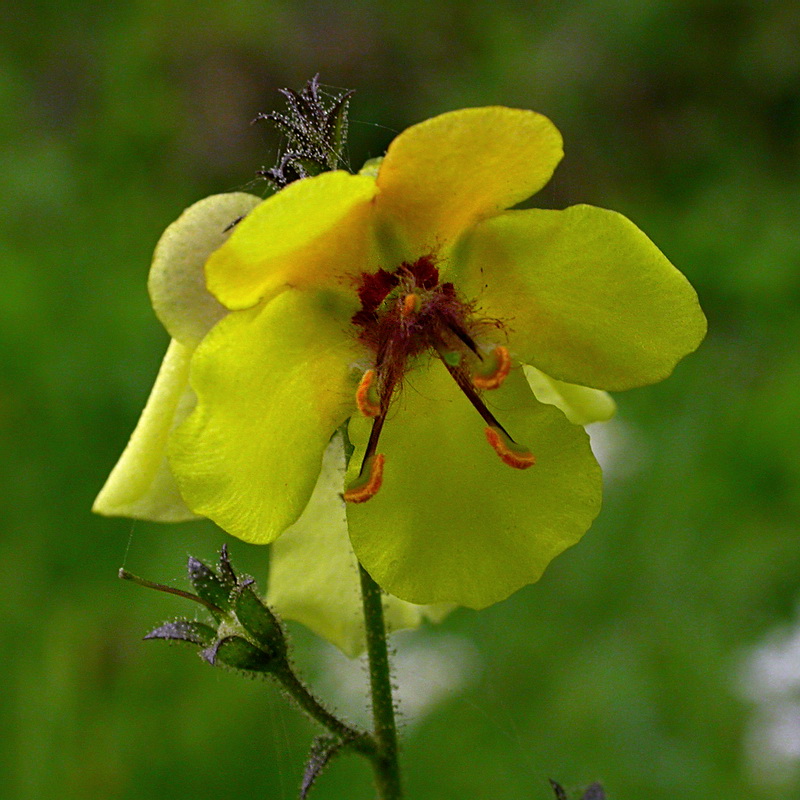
x=357, y=740
x=385, y=764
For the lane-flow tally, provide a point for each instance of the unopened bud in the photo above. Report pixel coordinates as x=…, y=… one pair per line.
x=238, y=653
x=259, y=621
x=208, y=585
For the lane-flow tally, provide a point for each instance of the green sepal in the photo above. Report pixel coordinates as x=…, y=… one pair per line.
x=238, y=653
x=209, y=585
x=258, y=620
x=226, y=572
x=184, y=630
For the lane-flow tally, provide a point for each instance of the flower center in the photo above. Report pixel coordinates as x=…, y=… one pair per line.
x=409, y=312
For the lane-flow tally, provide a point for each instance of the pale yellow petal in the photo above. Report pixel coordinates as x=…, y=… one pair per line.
x=580, y=404
x=177, y=281
x=141, y=485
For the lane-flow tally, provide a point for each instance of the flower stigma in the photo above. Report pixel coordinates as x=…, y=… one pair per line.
x=409, y=312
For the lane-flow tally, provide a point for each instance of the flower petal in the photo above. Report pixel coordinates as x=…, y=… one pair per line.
x=442, y=175
x=312, y=233
x=141, y=484
x=586, y=296
x=313, y=575
x=580, y=404
x=273, y=383
x=452, y=522
x=177, y=283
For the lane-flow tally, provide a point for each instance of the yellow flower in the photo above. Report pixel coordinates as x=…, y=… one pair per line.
x=406, y=300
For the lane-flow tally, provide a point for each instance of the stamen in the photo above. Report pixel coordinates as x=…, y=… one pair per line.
x=410, y=305
x=370, y=477
x=465, y=338
x=450, y=357
x=366, y=398
x=509, y=451
x=369, y=482
x=513, y=454
x=466, y=386
x=500, y=366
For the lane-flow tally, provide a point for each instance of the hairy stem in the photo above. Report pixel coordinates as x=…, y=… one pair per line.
x=385, y=763
x=359, y=741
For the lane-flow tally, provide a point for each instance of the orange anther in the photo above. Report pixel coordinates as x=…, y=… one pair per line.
x=410, y=304
x=365, y=397
x=502, y=366
x=511, y=454
x=366, y=486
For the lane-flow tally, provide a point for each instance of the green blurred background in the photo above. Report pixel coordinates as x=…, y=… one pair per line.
x=632, y=661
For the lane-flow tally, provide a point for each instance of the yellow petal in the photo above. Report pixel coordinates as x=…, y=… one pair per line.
x=273, y=383
x=177, y=282
x=314, y=576
x=141, y=485
x=315, y=232
x=580, y=404
x=452, y=522
x=584, y=294
x=442, y=175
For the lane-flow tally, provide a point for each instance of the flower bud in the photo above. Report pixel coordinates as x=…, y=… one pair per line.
x=259, y=621
x=238, y=653
x=210, y=586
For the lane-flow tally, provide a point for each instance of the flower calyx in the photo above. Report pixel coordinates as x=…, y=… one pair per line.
x=246, y=634
x=408, y=313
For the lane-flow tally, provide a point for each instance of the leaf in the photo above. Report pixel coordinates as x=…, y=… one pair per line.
x=184, y=630
x=323, y=749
